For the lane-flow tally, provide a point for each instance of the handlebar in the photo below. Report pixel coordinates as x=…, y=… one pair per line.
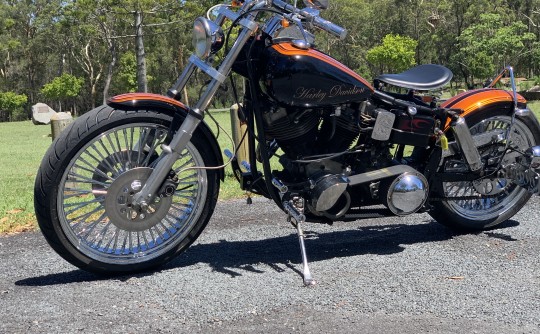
x=330, y=27
x=316, y=20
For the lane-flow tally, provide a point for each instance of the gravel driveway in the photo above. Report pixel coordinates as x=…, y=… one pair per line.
x=393, y=275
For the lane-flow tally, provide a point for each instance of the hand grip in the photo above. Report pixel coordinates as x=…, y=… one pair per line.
x=330, y=27
x=316, y=20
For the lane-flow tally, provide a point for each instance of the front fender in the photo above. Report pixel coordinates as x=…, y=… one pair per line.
x=478, y=100
x=171, y=107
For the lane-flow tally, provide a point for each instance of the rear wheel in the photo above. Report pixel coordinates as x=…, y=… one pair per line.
x=86, y=184
x=492, y=200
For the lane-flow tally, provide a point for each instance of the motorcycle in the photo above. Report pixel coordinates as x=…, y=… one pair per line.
x=132, y=184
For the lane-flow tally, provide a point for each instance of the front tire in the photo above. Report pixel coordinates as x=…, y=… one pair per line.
x=89, y=176
x=505, y=198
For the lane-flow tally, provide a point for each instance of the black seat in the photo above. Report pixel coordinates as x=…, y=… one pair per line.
x=422, y=77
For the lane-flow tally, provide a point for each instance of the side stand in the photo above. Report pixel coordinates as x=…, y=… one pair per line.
x=295, y=209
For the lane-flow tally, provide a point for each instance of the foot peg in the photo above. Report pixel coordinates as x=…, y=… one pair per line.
x=295, y=209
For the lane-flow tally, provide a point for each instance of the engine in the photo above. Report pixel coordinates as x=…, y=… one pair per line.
x=310, y=132
x=324, y=149
x=307, y=135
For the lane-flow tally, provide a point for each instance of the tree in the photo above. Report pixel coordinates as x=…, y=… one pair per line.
x=490, y=45
x=127, y=73
x=395, y=54
x=96, y=40
x=13, y=104
x=62, y=89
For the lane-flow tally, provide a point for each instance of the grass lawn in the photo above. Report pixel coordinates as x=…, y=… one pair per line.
x=24, y=144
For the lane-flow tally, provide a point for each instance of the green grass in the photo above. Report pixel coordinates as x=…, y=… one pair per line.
x=22, y=145
x=230, y=188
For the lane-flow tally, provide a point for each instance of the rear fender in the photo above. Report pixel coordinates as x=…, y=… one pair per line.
x=171, y=107
x=479, y=100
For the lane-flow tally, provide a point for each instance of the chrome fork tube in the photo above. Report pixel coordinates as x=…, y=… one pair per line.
x=182, y=80
x=172, y=152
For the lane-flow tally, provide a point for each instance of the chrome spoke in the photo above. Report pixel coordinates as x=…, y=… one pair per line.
x=492, y=206
x=94, y=201
x=80, y=220
x=113, y=241
x=96, y=171
x=90, y=189
x=81, y=179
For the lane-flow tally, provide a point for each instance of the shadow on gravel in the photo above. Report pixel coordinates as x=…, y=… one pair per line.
x=234, y=257
x=75, y=276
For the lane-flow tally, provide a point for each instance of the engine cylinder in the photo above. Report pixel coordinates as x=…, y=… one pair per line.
x=294, y=130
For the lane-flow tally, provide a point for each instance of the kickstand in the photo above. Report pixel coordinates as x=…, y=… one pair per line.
x=296, y=217
x=308, y=279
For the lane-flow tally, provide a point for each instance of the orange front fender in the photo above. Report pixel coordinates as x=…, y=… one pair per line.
x=171, y=107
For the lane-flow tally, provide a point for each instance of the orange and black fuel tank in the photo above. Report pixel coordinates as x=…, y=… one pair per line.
x=308, y=78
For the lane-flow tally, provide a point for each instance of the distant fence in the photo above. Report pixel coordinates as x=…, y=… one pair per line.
x=220, y=110
x=531, y=96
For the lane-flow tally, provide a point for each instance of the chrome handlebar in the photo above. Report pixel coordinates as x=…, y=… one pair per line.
x=316, y=20
x=330, y=27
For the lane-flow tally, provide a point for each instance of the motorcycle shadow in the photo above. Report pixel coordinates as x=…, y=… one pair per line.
x=282, y=253
x=279, y=253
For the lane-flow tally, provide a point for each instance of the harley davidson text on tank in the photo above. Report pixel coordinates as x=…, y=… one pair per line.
x=131, y=184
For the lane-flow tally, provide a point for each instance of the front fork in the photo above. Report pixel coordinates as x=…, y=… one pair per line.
x=170, y=154
x=181, y=138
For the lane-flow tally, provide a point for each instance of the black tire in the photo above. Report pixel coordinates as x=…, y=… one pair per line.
x=477, y=215
x=75, y=193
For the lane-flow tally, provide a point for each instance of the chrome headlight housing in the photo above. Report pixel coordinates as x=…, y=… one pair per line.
x=208, y=37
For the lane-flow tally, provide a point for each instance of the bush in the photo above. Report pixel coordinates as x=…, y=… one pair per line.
x=62, y=88
x=13, y=104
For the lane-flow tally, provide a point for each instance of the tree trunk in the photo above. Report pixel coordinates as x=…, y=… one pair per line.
x=110, y=71
x=142, y=82
x=181, y=67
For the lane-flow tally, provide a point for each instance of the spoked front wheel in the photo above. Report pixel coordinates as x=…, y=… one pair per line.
x=491, y=200
x=87, y=182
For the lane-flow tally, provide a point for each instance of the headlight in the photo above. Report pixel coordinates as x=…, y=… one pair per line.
x=208, y=37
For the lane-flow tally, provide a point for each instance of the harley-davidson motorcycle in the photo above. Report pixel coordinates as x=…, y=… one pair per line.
x=131, y=184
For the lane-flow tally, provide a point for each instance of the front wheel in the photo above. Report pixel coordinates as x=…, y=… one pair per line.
x=88, y=178
x=487, y=202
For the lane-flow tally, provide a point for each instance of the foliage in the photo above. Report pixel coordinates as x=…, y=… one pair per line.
x=127, y=73
x=490, y=44
x=62, y=88
x=396, y=53
x=95, y=40
x=14, y=104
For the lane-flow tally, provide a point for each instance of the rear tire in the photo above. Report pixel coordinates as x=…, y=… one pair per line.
x=87, y=177
x=482, y=214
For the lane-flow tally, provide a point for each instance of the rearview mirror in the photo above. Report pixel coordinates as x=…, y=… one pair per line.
x=317, y=4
